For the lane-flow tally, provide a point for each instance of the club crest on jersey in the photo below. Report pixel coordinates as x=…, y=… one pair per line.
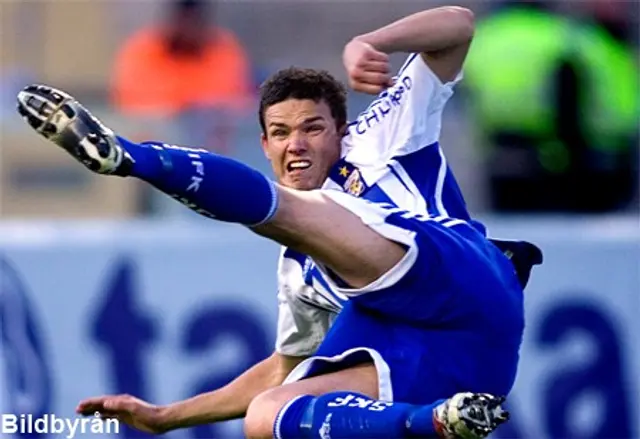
x=354, y=184
x=349, y=178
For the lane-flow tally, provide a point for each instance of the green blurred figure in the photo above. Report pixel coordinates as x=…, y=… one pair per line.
x=557, y=103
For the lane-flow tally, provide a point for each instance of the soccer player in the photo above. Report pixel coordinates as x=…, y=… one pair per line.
x=398, y=317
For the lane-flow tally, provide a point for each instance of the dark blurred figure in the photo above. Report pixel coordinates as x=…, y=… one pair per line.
x=557, y=101
x=186, y=69
x=614, y=16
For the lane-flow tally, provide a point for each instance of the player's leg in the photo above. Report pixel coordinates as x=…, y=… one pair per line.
x=340, y=383
x=218, y=187
x=313, y=224
x=263, y=410
x=345, y=403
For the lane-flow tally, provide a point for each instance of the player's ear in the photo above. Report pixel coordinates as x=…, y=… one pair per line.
x=342, y=130
x=265, y=145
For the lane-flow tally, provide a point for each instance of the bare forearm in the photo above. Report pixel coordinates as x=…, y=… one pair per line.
x=229, y=402
x=428, y=31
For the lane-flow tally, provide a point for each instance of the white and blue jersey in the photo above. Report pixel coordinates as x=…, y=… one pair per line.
x=394, y=176
x=390, y=154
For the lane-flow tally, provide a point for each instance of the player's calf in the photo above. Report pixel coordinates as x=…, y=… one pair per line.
x=348, y=415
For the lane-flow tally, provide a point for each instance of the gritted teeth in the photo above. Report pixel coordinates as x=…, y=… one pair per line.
x=298, y=164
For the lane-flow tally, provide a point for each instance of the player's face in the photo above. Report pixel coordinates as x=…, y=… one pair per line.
x=301, y=141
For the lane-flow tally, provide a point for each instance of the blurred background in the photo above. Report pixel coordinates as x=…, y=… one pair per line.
x=107, y=286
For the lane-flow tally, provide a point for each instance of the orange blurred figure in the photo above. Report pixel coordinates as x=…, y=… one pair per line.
x=184, y=63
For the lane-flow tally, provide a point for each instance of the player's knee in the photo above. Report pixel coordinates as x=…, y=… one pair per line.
x=261, y=415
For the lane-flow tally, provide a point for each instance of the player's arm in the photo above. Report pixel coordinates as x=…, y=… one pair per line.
x=228, y=402
x=441, y=35
x=231, y=401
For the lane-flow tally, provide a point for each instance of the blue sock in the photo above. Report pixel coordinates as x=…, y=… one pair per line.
x=212, y=185
x=342, y=415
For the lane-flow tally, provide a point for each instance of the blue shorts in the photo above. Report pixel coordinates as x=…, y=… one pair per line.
x=448, y=318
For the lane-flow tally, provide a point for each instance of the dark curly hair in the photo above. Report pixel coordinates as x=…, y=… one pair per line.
x=299, y=83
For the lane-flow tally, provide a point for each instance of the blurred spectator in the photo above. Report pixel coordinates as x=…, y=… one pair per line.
x=558, y=103
x=185, y=69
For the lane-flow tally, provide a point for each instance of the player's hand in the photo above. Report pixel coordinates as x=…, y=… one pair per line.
x=127, y=409
x=368, y=69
